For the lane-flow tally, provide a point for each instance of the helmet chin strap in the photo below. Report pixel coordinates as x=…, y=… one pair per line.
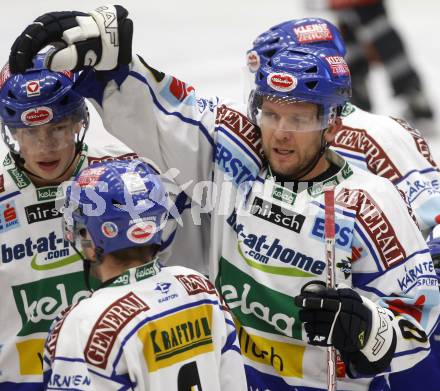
x=87, y=264
x=313, y=163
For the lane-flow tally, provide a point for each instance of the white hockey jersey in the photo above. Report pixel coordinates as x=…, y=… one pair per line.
x=153, y=328
x=40, y=274
x=267, y=241
x=391, y=148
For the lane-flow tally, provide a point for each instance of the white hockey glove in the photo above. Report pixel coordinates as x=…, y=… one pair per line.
x=101, y=39
x=353, y=324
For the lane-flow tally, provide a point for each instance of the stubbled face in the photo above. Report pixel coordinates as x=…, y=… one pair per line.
x=289, y=151
x=49, y=149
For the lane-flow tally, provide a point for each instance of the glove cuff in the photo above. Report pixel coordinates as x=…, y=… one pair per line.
x=375, y=357
x=381, y=335
x=107, y=20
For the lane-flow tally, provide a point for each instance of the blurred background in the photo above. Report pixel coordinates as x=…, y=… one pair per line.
x=204, y=43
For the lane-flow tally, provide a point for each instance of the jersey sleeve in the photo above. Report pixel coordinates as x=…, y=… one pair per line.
x=396, y=271
x=420, y=175
x=157, y=115
x=66, y=366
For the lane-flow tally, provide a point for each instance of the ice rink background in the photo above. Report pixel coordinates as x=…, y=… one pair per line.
x=203, y=42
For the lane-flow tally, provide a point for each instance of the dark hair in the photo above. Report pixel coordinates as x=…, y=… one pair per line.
x=127, y=255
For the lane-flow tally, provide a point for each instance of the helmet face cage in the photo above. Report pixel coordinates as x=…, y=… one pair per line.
x=122, y=204
x=318, y=76
x=75, y=228
x=36, y=98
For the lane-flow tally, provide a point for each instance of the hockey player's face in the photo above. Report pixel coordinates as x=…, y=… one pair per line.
x=290, y=152
x=48, y=149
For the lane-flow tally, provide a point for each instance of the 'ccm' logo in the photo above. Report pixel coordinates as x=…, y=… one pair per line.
x=41, y=212
x=276, y=215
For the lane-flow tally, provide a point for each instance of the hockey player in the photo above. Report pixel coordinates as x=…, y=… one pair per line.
x=267, y=241
x=43, y=123
x=368, y=141
x=365, y=140
x=147, y=327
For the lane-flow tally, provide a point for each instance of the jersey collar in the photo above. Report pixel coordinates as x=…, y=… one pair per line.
x=135, y=274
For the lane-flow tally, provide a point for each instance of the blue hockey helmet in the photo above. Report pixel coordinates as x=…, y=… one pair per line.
x=37, y=97
x=302, y=74
x=306, y=31
x=122, y=204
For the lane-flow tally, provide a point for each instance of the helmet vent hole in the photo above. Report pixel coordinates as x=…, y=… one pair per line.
x=312, y=70
x=57, y=85
x=270, y=53
x=11, y=95
x=65, y=100
x=311, y=85
x=10, y=111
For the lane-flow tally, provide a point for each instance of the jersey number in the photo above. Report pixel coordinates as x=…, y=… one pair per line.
x=188, y=378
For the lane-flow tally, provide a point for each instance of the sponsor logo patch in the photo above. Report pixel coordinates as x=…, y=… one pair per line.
x=265, y=254
x=19, y=177
x=338, y=65
x=42, y=212
x=109, y=229
x=375, y=224
x=420, y=142
x=283, y=82
x=52, y=338
x=315, y=32
x=285, y=358
x=30, y=356
x=195, y=284
x=358, y=140
x=47, y=252
x=257, y=306
x=141, y=232
x=39, y=302
x=49, y=193
x=5, y=74
x=177, y=337
x=277, y=215
x=343, y=232
x=164, y=288
x=422, y=274
x=240, y=125
x=90, y=176
x=8, y=216
x=59, y=381
x=253, y=61
x=128, y=156
x=37, y=116
x=232, y=165
x=107, y=327
x=33, y=88
x=180, y=90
